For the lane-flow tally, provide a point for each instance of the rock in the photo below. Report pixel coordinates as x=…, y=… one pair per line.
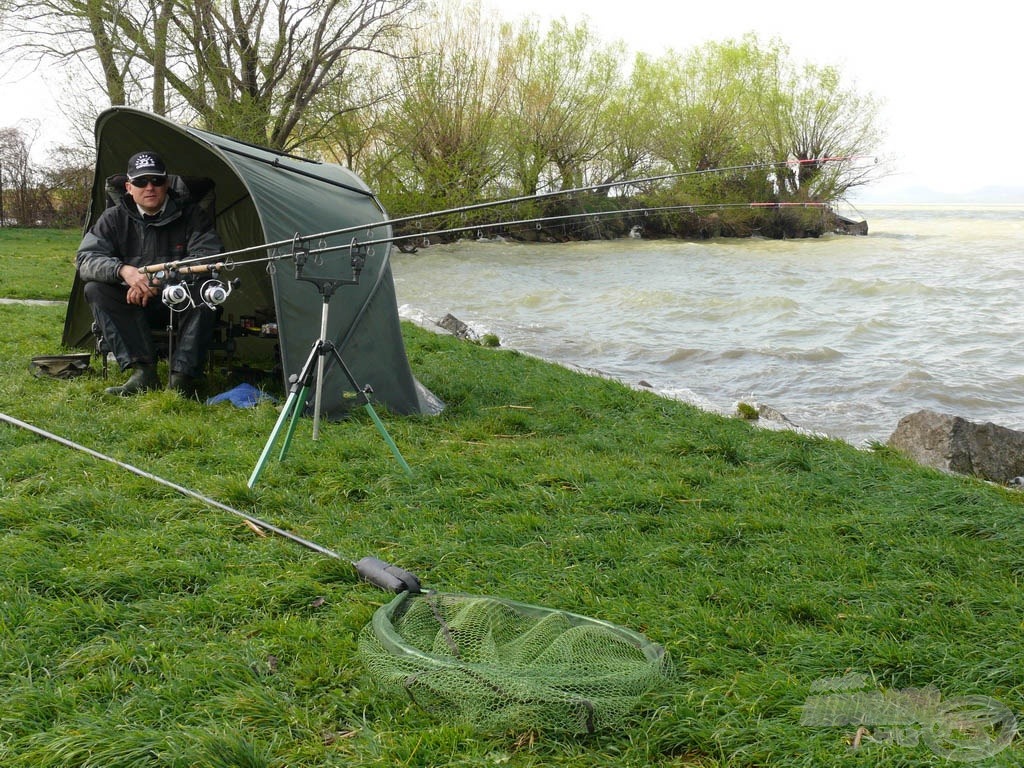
x=953, y=444
x=456, y=327
x=845, y=226
x=768, y=413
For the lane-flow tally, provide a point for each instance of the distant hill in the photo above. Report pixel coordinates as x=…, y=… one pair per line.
x=993, y=195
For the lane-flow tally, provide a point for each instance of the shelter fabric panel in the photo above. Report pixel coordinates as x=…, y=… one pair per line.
x=265, y=199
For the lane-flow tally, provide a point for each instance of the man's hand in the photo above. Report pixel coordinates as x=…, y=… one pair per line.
x=140, y=289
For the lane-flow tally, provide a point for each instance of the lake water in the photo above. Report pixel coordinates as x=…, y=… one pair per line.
x=844, y=335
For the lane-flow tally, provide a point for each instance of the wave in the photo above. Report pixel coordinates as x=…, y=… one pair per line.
x=748, y=304
x=876, y=286
x=819, y=354
x=683, y=355
x=848, y=334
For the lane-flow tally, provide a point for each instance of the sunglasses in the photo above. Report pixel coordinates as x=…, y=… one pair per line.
x=145, y=181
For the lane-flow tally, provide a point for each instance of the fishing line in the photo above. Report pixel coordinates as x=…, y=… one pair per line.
x=158, y=271
x=228, y=257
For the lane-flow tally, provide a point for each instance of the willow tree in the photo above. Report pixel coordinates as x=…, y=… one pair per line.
x=632, y=116
x=705, y=102
x=810, y=117
x=343, y=122
x=438, y=146
x=746, y=105
x=563, y=84
x=250, y=68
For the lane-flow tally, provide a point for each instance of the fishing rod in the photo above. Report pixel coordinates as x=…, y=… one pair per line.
x=470, y=671
x=549, y=219
x=379, y=573
x=301, y=252
x=603, y=185
x=177, y=297
x=228, y=256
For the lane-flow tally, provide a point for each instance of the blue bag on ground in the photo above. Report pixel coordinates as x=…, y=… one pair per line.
x=242, y=396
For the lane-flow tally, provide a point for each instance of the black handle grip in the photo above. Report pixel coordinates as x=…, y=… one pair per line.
x=388, y=577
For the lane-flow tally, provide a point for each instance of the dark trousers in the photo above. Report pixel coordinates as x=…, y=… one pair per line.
x=127, y=328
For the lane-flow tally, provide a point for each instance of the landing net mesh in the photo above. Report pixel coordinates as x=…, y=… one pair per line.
x=499, y=664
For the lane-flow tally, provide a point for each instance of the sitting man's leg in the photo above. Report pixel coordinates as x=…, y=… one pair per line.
x=193, y=342
x=125, y=328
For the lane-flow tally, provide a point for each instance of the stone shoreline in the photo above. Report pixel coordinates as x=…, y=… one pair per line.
x=944, y=442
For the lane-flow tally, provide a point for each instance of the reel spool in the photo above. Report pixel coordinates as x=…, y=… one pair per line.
x=215, y=292
x=176, y=297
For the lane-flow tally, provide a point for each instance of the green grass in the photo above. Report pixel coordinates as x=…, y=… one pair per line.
x=37, y=263
x=139, y=627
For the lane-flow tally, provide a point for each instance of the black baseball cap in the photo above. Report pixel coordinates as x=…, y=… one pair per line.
x=146, y=164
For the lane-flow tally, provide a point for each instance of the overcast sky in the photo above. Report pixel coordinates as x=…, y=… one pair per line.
x=948, y=76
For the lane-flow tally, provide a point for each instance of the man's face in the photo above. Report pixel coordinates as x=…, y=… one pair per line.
x=146, y=194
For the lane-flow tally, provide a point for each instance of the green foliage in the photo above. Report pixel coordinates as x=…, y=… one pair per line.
x=747, y=411
x=440, y=130
x=139, y=627
x=444, y=105
x=489, y=111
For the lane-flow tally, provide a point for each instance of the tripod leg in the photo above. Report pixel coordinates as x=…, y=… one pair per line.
x=296, y=413
x=321, y=367
x=369, y=409
x=387, y=439
x=291, y=405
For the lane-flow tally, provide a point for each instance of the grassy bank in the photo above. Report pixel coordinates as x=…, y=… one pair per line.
x=37, y=263
x=139, y=627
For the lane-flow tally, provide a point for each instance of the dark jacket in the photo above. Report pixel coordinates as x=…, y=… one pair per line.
x=121, y=236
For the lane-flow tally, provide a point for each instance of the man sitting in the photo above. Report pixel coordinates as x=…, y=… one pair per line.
x=149, y=225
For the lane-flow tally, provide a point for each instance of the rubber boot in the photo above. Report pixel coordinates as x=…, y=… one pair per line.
x=183, y=384
x=143, y=378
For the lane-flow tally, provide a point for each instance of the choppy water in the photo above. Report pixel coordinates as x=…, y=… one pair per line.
x=844, y=335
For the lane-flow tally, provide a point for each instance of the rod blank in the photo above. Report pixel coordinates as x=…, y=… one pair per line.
x=179, y=488
x=381, y=574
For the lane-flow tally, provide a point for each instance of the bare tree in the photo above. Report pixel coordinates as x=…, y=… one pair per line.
x=251, y=68
x=439, y=144
x=17, y=189
x=67, y=185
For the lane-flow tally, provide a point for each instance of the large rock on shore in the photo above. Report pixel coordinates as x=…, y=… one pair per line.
x=953, y=444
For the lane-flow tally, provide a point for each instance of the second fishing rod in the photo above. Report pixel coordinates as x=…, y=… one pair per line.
x=228, y=259
x=299, y=248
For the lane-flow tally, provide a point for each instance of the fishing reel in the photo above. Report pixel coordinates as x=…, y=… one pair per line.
x=176, y=297
x=214, y=292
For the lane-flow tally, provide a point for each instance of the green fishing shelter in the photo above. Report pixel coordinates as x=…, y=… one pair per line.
x=261, y=197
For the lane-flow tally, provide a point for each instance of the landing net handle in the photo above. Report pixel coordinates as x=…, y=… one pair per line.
x=388, y=577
